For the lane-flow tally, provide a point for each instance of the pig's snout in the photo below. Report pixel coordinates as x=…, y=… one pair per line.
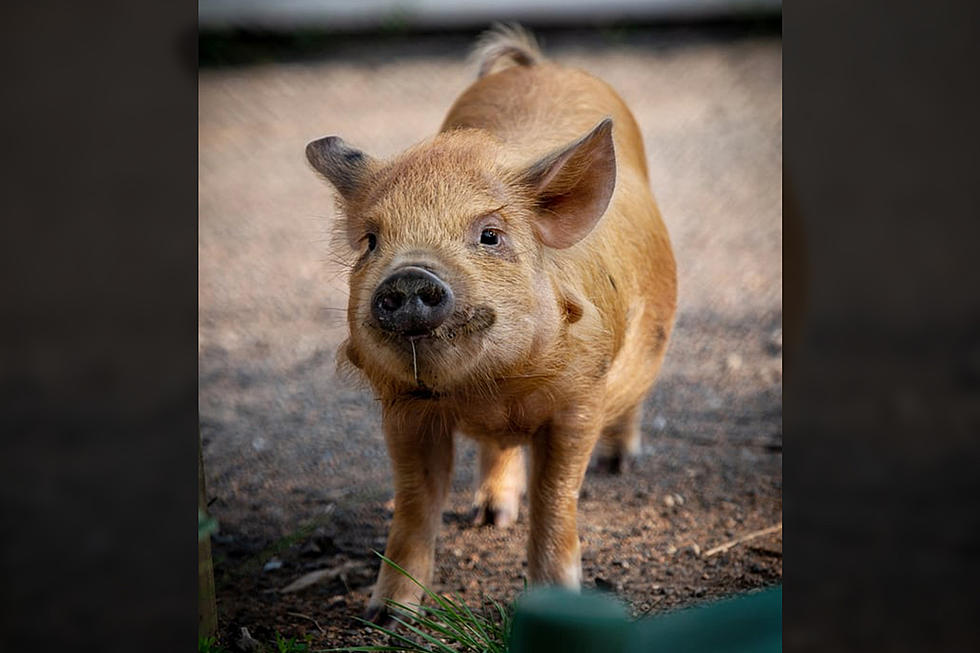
x=412, y=302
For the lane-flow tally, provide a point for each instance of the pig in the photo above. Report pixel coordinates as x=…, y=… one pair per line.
x=511, y=281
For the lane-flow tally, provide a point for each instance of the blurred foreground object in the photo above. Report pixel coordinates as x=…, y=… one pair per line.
x=207, y=611
x=553, y=619
x=406, y=14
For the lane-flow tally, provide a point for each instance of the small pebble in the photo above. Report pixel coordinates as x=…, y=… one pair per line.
x=272, y=564
x=733, y=362
x=669, y=501
x=248, y=643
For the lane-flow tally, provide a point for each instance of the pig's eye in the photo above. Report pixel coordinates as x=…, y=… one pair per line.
x=372, y=242
x=489, y=237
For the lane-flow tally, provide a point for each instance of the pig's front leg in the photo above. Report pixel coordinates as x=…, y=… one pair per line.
x=559, y=456
x=421, y=450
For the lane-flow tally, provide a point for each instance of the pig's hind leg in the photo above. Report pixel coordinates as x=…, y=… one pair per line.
x=501, y=483
x=620, y=442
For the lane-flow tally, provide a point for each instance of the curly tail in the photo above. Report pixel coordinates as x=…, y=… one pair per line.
x=506, y=41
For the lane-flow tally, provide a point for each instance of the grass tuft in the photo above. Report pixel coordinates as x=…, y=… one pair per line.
x=209, y=645
x=448, y=626
x=291, y=645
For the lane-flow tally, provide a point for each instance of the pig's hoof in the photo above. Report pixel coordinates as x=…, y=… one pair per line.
x=616, y=464
x=380, y=615
x=496, y=516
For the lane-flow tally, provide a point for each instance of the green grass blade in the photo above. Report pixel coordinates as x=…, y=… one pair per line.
x=448, y=626
x=448, y=630
x=362, y=649
x=459, y=624
x=504, y=615
x=471, y=620
x=441, y=646
x=391, y=633
x=452, y=616
x=435, y=597
x=501, y=627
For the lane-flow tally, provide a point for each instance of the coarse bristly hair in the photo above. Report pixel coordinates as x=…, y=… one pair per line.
x=557, y=331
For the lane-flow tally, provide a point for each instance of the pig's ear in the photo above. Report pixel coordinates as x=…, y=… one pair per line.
x=572, y=186
x=344, y=166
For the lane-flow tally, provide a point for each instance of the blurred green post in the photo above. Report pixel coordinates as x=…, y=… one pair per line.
x=552, y=619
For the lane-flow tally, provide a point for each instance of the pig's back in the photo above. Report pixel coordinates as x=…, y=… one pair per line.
x=539, y=108
x=625, y=267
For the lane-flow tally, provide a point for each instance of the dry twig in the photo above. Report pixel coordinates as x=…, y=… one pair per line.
x=744, y=538
x=319, y=575
x=306, y=616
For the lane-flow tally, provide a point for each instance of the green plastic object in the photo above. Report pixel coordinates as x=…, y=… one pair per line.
x=553, y=619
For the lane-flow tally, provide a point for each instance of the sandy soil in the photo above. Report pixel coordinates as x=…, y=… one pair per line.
x=296, y=469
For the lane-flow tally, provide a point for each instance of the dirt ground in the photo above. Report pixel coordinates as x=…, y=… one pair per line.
x=296, y=470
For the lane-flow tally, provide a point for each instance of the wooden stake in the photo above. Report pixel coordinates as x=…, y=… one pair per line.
x=207, y=610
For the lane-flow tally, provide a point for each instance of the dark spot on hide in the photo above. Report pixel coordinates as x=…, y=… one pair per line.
x=572, y=309
x=659, y=339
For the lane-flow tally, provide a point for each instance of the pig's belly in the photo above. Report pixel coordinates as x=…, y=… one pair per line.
x=637, y=363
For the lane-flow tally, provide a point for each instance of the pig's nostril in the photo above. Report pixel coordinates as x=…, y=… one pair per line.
x=391, y=301
x=431, y=295
x=412, y=301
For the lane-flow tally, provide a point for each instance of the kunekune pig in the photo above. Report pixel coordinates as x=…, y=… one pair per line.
x=514, y=282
